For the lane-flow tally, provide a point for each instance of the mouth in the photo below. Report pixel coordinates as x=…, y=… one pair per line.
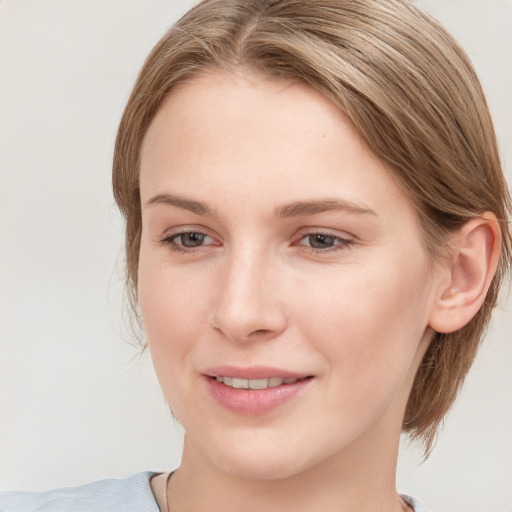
x=256, y=390
x=257, y=384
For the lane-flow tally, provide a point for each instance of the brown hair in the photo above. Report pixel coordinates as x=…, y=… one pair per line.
x=410, y=91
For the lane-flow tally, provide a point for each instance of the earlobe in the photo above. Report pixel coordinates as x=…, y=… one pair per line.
x=473, y=264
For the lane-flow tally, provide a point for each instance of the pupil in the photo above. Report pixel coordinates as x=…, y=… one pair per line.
x=321, y=241
x=192, y=239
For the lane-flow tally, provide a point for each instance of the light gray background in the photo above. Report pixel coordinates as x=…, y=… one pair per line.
x=76, y=403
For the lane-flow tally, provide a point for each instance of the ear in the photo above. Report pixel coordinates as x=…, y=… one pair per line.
x=468, y=274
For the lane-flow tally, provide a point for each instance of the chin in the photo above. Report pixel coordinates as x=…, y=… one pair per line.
x=272, y=468
x=259, y=459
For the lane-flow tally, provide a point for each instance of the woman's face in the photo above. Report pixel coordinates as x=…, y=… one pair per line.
x=276, y=246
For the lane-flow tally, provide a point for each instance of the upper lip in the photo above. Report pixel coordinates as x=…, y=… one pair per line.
x=253, y=372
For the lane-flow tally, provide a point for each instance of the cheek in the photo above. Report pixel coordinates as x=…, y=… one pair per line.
x=168, y=296
x=367, y=324
x=172, y=309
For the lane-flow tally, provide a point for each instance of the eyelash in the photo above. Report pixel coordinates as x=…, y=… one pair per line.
x=169, y=241
x=341, y=242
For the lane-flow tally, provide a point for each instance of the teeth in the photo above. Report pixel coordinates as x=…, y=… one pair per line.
x=272, y=382
x=239, y=383
x=258, y=384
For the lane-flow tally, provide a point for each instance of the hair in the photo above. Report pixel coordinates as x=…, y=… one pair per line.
x=410, y=91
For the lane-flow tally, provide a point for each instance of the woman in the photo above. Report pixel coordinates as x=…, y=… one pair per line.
x=316, y=234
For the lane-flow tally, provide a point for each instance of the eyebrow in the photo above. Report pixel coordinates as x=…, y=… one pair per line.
x=320, y=206
x=196, y=207
x=294, y=209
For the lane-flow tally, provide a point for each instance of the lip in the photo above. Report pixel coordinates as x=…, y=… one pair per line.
x=253, y=402
x=253, y=372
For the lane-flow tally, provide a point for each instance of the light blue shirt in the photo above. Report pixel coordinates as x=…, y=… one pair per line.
x=132, y=494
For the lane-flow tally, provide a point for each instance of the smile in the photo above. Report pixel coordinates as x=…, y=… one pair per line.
x=271, y=382
x=257, y=395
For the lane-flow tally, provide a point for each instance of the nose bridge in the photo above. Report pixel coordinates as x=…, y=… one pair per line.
x=248, y=305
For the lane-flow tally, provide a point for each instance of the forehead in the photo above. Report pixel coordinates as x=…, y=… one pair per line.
x=246, y=134
x=230, y=107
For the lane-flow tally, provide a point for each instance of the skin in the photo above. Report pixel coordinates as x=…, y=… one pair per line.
x=355, y=313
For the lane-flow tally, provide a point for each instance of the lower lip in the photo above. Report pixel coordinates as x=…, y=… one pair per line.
x=253, y=401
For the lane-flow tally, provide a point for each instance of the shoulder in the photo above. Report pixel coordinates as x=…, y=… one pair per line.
x=132, y=494
x=415, y=504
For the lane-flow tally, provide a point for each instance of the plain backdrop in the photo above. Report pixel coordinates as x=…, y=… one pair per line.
x=76, y=401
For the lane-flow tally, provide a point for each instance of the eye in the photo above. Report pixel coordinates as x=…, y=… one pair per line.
x=187, y=241
x=324, y=242
x=190, y=239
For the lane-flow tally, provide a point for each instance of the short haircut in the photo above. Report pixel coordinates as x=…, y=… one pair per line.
x=410, y=91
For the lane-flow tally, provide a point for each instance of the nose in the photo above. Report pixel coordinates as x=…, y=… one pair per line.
x=249, y=304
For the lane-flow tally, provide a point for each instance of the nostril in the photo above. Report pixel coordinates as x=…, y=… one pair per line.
x=259, y=332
